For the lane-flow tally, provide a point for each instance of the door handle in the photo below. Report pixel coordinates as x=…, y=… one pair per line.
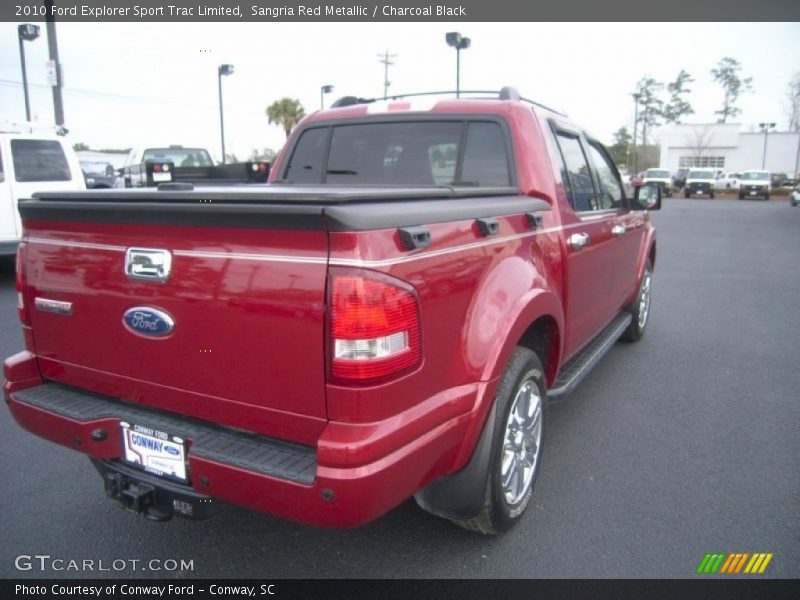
x=578, y=241
x=619, y=231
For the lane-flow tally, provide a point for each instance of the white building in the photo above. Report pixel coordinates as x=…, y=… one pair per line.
x=725, y=146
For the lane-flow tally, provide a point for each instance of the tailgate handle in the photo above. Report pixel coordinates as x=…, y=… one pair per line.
x=148, y=264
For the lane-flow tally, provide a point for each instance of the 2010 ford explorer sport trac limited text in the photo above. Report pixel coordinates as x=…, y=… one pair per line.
x=387, y=318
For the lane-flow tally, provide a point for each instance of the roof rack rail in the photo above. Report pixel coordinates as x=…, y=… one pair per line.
x=506, y=93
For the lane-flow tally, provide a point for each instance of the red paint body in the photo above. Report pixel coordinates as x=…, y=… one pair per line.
x=250, y=349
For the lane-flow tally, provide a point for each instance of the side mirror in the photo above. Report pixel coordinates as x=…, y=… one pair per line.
x=647, y=197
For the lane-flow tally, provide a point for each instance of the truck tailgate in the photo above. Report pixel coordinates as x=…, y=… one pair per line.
x=245, y=347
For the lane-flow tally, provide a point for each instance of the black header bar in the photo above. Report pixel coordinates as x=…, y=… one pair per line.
x=144, y=11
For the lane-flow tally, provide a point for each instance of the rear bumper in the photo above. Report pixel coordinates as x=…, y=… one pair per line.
x=351, y=477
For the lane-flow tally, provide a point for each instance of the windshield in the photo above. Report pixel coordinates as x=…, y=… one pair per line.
x=753, y=175
x=410, y=153
x=180, y=157
x=97, y=168
x=656, y=173
x=701, y=175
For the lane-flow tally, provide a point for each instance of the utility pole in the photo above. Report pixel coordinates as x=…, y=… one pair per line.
x=635, y=160
x=385, y=58
x=52, y=45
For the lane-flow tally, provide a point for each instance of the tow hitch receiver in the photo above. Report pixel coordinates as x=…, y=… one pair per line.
x=134, y=496
x=148, y=495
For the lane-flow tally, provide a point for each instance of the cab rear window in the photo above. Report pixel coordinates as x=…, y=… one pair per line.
x=39, y=160
x=418, y=153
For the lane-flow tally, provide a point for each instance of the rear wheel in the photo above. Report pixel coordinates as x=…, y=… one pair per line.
x=766, y=196
x=640, y=307
x=686, y=193
x=517, y=449
x=741, y=195
x=711, y=195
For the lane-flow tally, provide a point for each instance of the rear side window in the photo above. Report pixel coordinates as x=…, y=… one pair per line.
x=413, y=153
x=39, y=160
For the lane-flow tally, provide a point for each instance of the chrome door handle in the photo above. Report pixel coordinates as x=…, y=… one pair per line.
x=619, y=230
x=578, y=240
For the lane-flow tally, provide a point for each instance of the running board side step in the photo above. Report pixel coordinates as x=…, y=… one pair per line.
x=579, y=366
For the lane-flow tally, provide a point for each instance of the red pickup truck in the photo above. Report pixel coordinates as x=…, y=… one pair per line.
x=387, y=318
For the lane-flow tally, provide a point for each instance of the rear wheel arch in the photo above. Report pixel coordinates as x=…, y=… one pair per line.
x=543, y=338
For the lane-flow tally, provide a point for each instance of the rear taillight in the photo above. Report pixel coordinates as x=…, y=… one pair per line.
x=374, y=329
x=20, y=266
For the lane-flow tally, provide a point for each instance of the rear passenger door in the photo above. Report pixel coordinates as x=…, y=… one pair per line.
x=590, y=242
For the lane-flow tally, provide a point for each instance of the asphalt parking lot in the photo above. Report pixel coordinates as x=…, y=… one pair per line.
x=683, y=444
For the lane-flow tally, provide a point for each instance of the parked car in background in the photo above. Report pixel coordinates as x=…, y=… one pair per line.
x=98, y=174
x=794, y=197
x=726, y=180
x=754, y=184
x=699, y=181
x=778, y=179
x=679, y=178
x=151, y=166
x=29, y=163
x=661, y=177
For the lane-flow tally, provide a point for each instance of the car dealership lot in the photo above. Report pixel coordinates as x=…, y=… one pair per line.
x=685, y=445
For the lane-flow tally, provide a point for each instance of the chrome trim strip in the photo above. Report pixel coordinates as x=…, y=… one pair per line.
x=341, y=262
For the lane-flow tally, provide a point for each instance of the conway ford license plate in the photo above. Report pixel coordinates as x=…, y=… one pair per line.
x=154, y=451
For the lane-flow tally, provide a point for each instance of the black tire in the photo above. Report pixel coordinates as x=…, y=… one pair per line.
x=499, y=512
x=766, y=196
x=635, y=331
x=686, y=193
x=711, y=195
x=741, y=196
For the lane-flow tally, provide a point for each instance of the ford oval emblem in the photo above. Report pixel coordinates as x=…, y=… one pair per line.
x=172, y=450
x=148, y=321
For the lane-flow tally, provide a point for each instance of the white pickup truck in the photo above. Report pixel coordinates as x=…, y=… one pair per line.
x=29, y=163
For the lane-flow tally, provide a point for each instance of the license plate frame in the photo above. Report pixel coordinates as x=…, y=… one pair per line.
x=154, y=451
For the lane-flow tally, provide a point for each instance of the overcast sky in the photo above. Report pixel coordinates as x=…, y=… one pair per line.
x=133, y=84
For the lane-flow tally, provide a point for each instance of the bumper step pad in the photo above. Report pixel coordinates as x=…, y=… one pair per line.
x=250, y=452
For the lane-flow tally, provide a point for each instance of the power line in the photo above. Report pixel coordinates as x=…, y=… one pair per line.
x=12, y=83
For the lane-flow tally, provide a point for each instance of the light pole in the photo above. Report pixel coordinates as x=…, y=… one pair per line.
x=222, y=70
x=325, y=89
x=636, y=97
x=765, y=127
x=27, y=33
x=457, y=41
